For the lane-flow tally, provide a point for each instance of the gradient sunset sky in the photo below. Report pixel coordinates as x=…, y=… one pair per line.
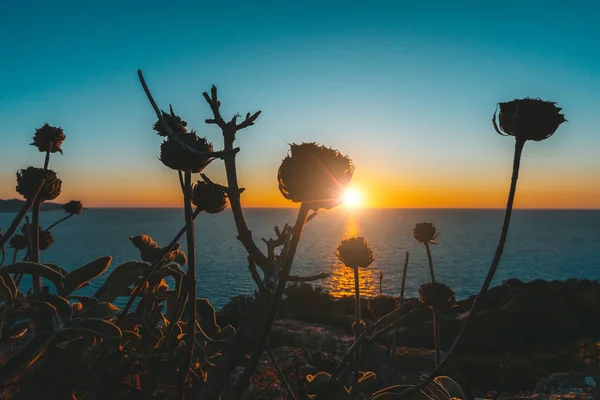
x=406, y=89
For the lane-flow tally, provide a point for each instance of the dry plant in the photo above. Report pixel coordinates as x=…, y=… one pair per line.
x=165, y=343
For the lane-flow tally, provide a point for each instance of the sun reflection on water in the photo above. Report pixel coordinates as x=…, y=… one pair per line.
x=341, y=282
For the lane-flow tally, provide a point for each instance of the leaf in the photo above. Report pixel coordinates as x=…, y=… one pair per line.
x=58, y=269
x=449, y=386
x=31, y=268
x=60, y=304
x=26, y=356
x=100, y=310
x=176, y=256
x=84, y=274
x=365, y=379
x=99, y=327
x=150, y=251
x=163, y=368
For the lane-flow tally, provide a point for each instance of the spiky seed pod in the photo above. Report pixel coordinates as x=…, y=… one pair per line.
x=425, y=232
x=29, y=179
x=436, y=294
x=355, y=252
x=45, y=237
x=73, y=207
x=177, y=125
x=49, y=138
x=209, y=198
x=18, y=242
x=528, y=119
x=176, y=157
x=315, y=175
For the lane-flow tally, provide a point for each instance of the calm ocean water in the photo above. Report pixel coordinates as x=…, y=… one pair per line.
x=541, y=244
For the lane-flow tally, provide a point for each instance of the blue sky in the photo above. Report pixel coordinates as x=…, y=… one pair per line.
x=406, y=89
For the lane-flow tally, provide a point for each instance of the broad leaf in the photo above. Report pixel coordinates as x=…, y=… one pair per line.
x=84, y=274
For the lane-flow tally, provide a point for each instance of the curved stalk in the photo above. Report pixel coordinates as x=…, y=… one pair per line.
x=519, y=144
x=59, y=221
x=244, y=380
x=431, y=271
x=357, y=330
x=191, y=284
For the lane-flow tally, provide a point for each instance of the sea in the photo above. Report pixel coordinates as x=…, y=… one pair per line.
x=542, y=244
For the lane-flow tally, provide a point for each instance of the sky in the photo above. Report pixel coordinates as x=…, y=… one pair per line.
x=406, y=89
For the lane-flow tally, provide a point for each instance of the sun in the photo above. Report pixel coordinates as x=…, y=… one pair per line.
x=352, y=198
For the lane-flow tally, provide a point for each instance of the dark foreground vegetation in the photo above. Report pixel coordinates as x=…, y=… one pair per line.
x=167, y=343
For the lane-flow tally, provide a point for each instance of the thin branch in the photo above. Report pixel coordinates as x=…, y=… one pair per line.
x=255, y=275
x=286, y=384
x=370, y=332
x=244, y=233
x=311, y=278
x=17, y=221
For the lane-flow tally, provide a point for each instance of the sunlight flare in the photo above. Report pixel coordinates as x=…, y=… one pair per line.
x=353, y=198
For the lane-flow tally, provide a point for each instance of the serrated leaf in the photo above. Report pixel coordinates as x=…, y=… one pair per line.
x=99, y=327
x=84, y=274
x=60, y=304
x=100, y=310
x=31, y=268
x=26, y=356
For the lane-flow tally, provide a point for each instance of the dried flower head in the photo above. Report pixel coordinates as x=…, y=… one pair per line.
x=45, y=237
x=150, y=251
x=435, y=294
x=425, y=232
x=48, y=138
x=19, y=242
x=73, y=207
x=355, y=252
x=315, y=175
x=209, y=198
x=528, y=119
x=177, y=125
x=176, y=157
x=30, y=179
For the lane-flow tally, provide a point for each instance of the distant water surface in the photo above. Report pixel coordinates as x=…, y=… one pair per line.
x=541, y=244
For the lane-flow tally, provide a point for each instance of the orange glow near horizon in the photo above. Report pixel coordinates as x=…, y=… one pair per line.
x=369, y=189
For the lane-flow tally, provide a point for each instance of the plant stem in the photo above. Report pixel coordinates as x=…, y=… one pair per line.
x=357, y=331
x=14, y=260
x=430, y=262
x=436, y=312
x=280, y=372
x=59, y=221
x=519, y=144
x=393, y=352
x=22, y=212
x=244, y=380
x=191, y=283
x=34, y=252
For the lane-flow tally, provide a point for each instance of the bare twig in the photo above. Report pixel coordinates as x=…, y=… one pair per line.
x=255, y=275
x=311, y=278
x=229, y=130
